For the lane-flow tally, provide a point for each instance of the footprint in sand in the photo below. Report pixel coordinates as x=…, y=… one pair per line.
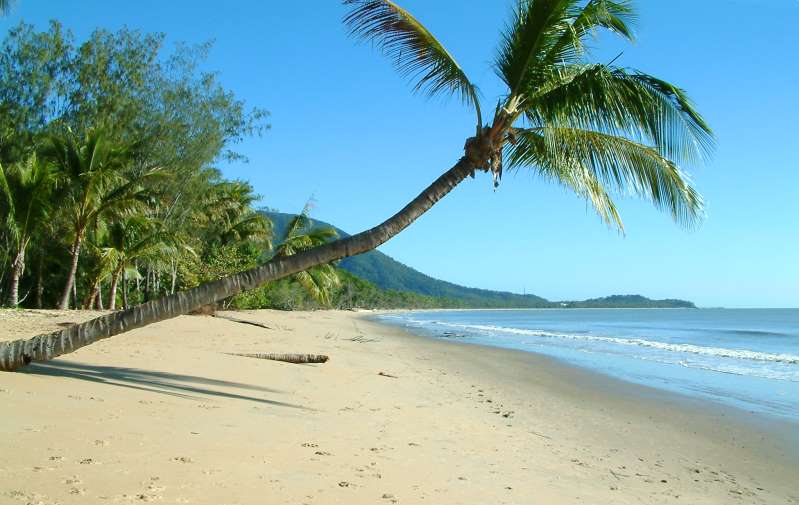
x=30, y=499
x=152, y=488
x=143, y=497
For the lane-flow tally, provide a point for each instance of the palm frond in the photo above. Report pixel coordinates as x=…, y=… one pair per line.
x=594, y=162
x=7, y=207
x=614, y=16
x=415, y=52
x=319, y=282
x=535, y=27
x=626, y=103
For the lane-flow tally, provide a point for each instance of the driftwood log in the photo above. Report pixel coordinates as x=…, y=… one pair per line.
x=288, y=358
x=242, y=321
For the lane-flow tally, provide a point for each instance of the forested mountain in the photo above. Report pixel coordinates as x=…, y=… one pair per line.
x=389, y=274
x=629, y=301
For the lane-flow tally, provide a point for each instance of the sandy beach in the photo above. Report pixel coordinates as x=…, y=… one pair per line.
x=166, y=414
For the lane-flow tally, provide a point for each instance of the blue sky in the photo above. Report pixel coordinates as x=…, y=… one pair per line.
x=346, y=129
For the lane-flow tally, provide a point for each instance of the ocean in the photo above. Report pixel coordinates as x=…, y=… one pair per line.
x=745, y=358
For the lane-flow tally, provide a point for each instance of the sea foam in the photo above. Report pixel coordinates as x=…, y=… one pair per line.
x=741, y=354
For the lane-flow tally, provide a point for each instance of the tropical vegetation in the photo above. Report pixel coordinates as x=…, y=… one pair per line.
x=108, y=192
x=598, y=129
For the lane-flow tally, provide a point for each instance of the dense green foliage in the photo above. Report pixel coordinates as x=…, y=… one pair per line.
x=352, y=292
x=107, y=153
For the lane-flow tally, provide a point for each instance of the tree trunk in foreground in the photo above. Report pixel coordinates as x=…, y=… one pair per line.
x=17, y=269
x=112, y=297
x=73, y=269
x=40, y=281
x=100, y=295
x=88, y=302
x=124, y=289
x=19, y=353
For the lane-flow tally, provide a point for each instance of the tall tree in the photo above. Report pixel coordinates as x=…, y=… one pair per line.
x=95, y=170
x=595, y=128
x=181, y=115
x=25, y=193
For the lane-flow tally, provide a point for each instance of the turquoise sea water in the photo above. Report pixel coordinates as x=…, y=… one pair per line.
x=747, y=358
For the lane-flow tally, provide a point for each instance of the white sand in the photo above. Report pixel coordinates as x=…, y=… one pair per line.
x=162, y=414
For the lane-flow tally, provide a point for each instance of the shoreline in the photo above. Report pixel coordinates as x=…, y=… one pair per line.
x=725, y=403
x=786, y=430
x=164, y=413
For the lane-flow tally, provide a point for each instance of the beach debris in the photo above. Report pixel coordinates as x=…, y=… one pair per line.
x=242, y=321
x=361, y=339
x=617, y=475
x=288, y=358
x=384, y=374
x=344, y=483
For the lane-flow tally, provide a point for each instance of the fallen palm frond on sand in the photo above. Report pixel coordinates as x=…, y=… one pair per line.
x=288, y=358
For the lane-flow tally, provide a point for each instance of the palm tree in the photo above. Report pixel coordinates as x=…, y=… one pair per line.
x=301, y=235
x=595, y=128
x=226, y=211
x=132, y=239
x=25, y=190
x=97, y=185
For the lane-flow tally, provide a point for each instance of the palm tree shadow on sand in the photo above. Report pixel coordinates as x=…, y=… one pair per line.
x=183, y=386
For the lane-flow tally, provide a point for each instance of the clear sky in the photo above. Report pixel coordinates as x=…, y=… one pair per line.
x=346, y=129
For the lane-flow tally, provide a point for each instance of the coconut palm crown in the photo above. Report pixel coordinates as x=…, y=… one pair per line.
x=595, y=128
x=302, y=234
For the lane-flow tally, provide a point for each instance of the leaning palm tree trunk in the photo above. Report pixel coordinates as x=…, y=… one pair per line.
x=19, y=353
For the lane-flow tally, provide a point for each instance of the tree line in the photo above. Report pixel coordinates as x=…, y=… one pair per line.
x=109, y=193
